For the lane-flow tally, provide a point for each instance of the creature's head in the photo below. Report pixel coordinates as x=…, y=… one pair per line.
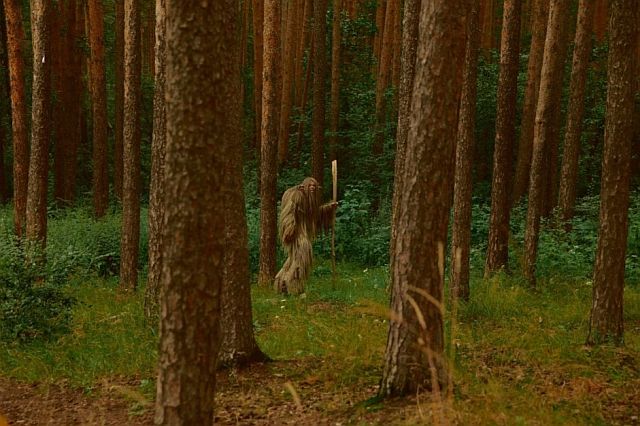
x=312, y=190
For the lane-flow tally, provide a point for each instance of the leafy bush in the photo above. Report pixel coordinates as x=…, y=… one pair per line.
x=32, y=302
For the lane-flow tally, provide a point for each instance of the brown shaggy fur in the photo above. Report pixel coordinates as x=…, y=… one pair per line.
x=301, y=218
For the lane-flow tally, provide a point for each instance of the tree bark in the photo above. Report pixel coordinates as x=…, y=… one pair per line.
x=202, y=88
x=463, y=186
x=571, y=153
x=606, y=320
x=415, y=347
x=20, y=139
x=131, y=148
x=498, y=245
x=548, y=100
x=335, y=78
x=40, y=124
x=258, y=65
x=119, y=99
x=319, y=75
x=600, y=19
x=5, y=91
x=99, y=109
x=268, y=155
x=156, y=193
x=287, y=83
x=536, y=52
x=410, y=25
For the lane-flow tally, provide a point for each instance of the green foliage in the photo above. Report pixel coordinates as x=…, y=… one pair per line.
x=33, y=304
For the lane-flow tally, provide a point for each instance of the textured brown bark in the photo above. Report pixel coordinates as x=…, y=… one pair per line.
x=58, y=114
x=20, y=139
x=381, y=7
x=319, y=75
x=305, y=40
x=606, y=320
x=158, y=148
x=99, y=109
x=414, y=357
x=498, y=245
x=40, y=124
x=202, y=83
x=303, y=105
x=258, y=53
x=397, y=53
x=287, y=83
x=600, y=18
x=488, y=14
x=239, y=346
x=336, y=40
x=548, y=99
x=75, y=89
x=4, y=94
x=407, y=72
x=119, y=98
x=384, y=74
x=268, y=154
x=571, y=152
x=131, y=148
x=463, y=185
x=536, y=52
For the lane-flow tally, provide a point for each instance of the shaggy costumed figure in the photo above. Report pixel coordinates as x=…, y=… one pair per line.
x=301, y=218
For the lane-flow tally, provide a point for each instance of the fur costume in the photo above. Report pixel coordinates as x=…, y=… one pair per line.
x=301, y=218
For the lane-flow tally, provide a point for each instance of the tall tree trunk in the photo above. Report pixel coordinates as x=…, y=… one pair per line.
x=268, y=154
x=498, y=246
x=156, y=193
x=571, y=153
x=606, y=320
x=381, y=7
x=487, y=26
x=335, y=77
x=463, y=186
x=239, y=346
x=319, y=74
x=305, y=40
x=287, y=83
x=131, y=148
x=99, y=109
x=548, y=100
x=534, y=66
x=40, y=124
x=119, y=98
x=57, y=105
x=382, y=81
x=4, y=94
x=410, y=24
x=600, y=18
x=303, y=105
x=202, y=88
x=20, y=139
x=415, y=347
x=258, y=66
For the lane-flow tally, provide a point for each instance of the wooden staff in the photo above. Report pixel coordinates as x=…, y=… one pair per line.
x=334, y=174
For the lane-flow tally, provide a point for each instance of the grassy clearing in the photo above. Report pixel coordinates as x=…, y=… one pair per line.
x=519, y=354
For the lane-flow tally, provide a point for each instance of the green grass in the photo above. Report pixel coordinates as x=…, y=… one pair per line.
x=520, y=356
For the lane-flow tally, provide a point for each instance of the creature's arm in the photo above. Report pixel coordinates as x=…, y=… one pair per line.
x=291, y=202
x=326, y=216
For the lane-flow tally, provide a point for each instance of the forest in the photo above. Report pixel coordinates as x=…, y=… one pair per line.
x=389, y=212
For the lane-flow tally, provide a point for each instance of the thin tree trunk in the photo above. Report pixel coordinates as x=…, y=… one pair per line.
x=20, y=139
x=410, y=25
x=99, y=109
x=381, y=7
x=258, y=53
x=156, y=193
x=532, y=89
x=487, y=26
x=319, y=74
x=201, y=91
x=414, y=357
x=498, y=246
x=74, y=82
x=606, y=320
x=303, y=105
x=40, y=124
x=463, y=186
x=268, y=155
x=600, y=18
x=335, y=78
x=5, y=91
x=287, y=84
x=119, y=98
x=131, y=148
x=571, y=153
x=548, y=99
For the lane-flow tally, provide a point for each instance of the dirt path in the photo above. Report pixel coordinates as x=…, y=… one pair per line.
x=281, y=393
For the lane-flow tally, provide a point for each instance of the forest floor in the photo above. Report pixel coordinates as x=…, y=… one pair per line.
x=517, y=357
